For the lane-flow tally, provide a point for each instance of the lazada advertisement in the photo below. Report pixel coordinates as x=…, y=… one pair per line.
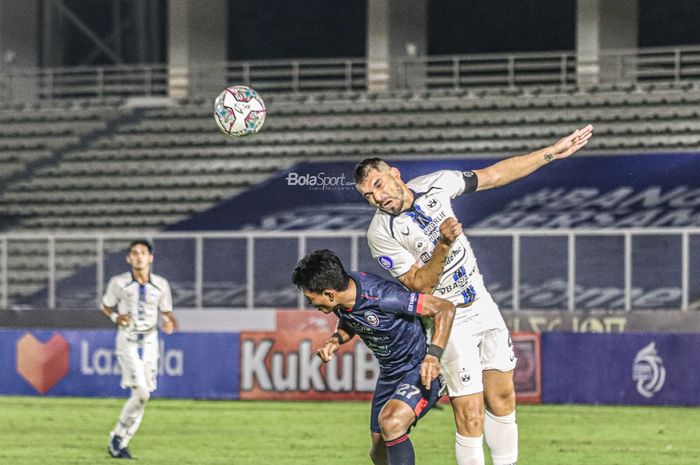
x=84, y=363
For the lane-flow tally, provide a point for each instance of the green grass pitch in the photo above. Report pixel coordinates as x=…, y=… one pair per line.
x=74, y=431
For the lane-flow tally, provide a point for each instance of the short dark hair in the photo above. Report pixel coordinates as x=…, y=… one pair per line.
x=365, y=166
x=320, y=270
x=143, y=242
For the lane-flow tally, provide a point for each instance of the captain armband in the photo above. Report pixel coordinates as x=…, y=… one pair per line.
x=471, y=181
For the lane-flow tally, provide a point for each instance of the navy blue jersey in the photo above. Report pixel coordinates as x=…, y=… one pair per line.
x=387, y=318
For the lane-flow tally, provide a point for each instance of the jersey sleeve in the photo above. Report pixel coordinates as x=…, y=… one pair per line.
x=391, y=255
x=456, y=183
x=165, y=303
x=111, y=296
x=396, y=299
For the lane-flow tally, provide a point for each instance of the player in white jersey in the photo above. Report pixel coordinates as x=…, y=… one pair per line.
x=414, y=234
x=134, y=301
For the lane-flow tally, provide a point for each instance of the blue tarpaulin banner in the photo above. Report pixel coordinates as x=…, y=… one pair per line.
x=621, y=191
x=83, y=363
x=643, y=369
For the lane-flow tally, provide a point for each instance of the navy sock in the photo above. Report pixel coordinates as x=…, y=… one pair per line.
x=400, y=451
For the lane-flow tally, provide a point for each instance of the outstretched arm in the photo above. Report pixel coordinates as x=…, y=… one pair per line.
x=511, y=169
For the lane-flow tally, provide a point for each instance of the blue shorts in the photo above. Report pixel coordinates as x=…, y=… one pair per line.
x=409, y=389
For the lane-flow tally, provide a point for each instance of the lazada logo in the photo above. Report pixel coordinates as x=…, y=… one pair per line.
x=42, y=365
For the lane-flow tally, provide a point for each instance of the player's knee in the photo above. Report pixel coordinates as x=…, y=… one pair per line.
x=470, y=419
x=142, y=395
x=501, y=403
x=392, y=426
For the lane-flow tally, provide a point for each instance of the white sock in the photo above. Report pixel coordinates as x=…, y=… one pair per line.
x=502, y=438
x=132, y=430
x=469, y=451
x=132, y=414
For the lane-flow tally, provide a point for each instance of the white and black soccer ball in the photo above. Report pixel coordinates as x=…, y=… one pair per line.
x=239, y=111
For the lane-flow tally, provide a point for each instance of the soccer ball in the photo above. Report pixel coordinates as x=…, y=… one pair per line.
x=239, y=111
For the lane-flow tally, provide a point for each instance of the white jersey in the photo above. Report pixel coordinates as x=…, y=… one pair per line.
x=141, y=302
x=398, y=242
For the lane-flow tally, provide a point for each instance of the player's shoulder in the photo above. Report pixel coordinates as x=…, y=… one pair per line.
x=122, y=279
x=159, y=281
x=380, y=224
x=435, y=179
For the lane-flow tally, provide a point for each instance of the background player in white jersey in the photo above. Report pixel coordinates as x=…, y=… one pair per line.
x=415, y=236
x=133, y=301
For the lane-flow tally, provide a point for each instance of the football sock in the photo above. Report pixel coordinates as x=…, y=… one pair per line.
x=469, y=451
x=400, y=451
x=131, y=415
x=132, y=430
x=501, y=435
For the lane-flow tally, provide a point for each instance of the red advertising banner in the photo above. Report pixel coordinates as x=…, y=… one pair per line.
x=283, y=364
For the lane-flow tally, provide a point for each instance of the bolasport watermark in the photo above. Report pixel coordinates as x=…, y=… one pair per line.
x=320, y=181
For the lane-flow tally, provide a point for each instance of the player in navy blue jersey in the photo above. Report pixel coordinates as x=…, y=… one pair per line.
x=387, y=318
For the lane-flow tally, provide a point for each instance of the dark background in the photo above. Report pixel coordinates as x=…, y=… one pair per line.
x=271, y=29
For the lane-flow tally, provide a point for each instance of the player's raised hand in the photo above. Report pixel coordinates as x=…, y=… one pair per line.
x=328, y=350
x=450, y=230
x=429, y=370
x=571, y=143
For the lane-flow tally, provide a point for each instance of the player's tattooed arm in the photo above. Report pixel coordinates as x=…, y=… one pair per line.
x=511, y=169
x=426, y=278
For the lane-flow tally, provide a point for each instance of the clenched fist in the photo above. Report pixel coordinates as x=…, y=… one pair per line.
x=450, y=230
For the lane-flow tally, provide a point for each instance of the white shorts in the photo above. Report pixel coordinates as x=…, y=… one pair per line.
x=470, y=350
x=138, y=359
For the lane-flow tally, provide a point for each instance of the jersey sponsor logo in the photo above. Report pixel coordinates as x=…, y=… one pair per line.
x=386, y=262
x=433, y=204
x=420, y=244
x=648, y=371
x=371, y=318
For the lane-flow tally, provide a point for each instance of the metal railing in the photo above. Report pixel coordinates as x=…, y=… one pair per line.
x=198, y=263
x=512, y=70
